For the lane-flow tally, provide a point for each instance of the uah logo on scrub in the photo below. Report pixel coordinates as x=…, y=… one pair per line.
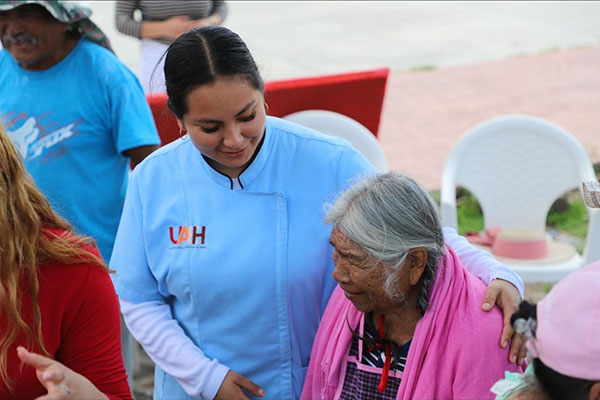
x=188, y=235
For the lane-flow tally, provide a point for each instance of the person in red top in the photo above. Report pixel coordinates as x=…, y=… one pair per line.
x=58, y=306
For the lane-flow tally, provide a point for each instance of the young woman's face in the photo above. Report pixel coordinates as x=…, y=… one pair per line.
x=226, y=122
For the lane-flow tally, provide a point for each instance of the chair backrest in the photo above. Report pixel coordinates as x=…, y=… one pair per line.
x=334, y=124
x=516, y=166
x=358, y=95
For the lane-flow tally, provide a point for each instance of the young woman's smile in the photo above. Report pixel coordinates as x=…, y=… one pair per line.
x=226, y=122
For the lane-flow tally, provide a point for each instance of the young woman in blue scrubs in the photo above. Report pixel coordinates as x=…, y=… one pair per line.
x=223, y=261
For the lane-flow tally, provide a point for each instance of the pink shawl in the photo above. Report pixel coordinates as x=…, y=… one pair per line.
x=454, y=354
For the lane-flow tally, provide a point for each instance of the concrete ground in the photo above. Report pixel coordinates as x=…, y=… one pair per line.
x=425, y=113
x=454, y=64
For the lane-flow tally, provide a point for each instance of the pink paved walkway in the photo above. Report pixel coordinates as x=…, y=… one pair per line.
x=425, y=113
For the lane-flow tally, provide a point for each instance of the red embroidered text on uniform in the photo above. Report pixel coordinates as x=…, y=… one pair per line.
x=189, y=235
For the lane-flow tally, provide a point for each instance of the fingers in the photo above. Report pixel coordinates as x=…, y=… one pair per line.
x=35, y=360
x=491, y=294
x=56, y=392
x=233, y=387
x=250, y=386
x=508, y=331
x=50, y=373
x=518, y=350
x=54, y=374
x=522, y=353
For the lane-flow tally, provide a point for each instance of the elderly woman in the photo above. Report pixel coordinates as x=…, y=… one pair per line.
x=405, y=321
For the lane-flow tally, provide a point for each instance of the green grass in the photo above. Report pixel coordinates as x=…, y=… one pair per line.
x=468, y=213
x=573, y=220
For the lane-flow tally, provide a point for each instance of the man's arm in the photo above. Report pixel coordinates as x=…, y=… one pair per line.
x=137, y=154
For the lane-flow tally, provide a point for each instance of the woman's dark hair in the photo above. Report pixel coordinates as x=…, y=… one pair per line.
x=201, y=56
x=556, y=385
x=526, y=310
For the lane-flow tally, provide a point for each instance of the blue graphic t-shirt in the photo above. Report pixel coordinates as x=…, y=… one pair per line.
x=71, y=124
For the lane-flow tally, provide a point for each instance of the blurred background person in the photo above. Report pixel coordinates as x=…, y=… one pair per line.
x=162, y=21
x=75, y=112
x=56, y=299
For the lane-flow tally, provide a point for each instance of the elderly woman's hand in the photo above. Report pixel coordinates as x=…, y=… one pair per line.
x=59, y=381
x=507, y=297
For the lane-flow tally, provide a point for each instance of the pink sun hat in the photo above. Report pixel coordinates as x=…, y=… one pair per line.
x=521, y=246
x=567, y=336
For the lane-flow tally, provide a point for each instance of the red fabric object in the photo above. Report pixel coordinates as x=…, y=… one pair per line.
x=81, y=328
x=358, y=95
x=165, y=121
x=388, y=359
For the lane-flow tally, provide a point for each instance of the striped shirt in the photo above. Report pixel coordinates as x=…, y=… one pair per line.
x=159, y=10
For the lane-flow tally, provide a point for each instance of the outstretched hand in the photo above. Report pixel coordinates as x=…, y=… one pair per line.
x=59, y=381
x=507, y=297
x=231, y=388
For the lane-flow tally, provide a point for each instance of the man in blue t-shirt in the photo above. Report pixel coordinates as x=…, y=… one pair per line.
x=76, y=113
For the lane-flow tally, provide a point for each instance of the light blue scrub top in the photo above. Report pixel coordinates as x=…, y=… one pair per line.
x=247, y=273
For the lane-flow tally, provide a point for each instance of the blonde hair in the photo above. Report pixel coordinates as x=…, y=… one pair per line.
x=24, y=216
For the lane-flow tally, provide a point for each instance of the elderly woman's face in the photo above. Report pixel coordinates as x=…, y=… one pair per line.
x=360, y=276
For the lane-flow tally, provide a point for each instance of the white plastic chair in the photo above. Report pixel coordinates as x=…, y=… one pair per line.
x=335, y=124
x=517, y=166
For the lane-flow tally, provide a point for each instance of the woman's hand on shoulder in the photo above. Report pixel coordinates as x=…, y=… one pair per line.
x=507, y=297
x=231, y=388
x=59, y=381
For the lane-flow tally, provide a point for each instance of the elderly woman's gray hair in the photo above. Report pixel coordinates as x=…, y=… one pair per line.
x=387, y=215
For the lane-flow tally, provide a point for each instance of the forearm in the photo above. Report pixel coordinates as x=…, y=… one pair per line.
x=152, y=325
x=479, y=262
x=137, y=154
x=152, y=29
